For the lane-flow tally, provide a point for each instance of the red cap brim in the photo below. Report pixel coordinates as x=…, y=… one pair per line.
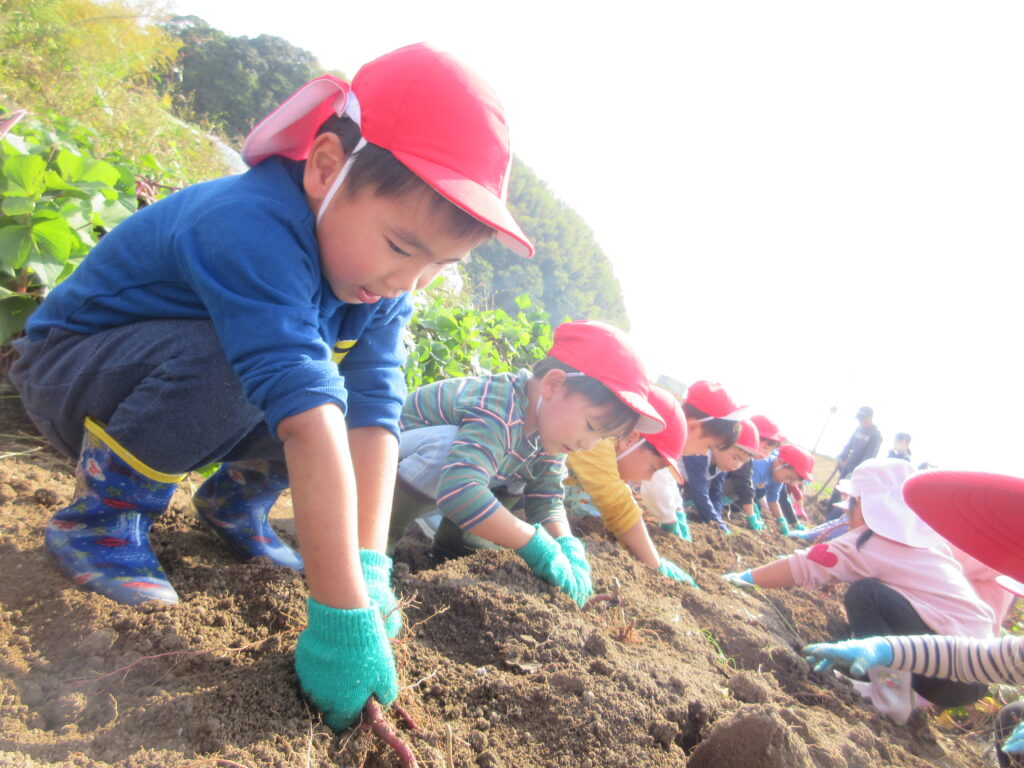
x=473, y=198
x=979, y=512
x=649, y=421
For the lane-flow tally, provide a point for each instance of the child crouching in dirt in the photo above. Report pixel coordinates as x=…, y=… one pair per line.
x=597, y=481
x=792, y=464
x=463, y=437
x=705, y=475
x=984, y=514
x=903, y=580
x=257, y=320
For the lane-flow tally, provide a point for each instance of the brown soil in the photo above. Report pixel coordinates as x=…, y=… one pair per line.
x=498, y=669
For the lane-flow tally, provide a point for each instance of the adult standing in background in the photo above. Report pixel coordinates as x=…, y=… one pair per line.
x=862, y=445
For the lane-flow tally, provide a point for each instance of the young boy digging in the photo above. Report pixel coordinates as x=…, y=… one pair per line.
x=598, y=481
x=463, y=437
x=257, y=320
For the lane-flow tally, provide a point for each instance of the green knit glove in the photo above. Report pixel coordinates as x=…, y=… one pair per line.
x=783, y=526
x=547, y=560
x=574, y=552
x=673, y=571
x=754, y=521
x=377, y=573
x=680, y=527
x=343, y=657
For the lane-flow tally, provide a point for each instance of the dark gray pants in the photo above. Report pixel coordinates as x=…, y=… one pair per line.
x=163, y=388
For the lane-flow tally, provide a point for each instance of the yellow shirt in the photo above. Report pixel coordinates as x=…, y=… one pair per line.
x=596, y=472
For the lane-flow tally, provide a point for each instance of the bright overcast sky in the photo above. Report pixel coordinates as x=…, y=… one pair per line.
x=816, y=203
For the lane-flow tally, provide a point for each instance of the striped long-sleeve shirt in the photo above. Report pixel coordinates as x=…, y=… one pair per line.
x=490, y=448
x=965, y=659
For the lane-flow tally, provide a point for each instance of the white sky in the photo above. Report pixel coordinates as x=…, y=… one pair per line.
x=816, y=203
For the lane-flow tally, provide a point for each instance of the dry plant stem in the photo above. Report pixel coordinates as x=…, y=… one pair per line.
x=373, y=720
x=218, y=761
x=128, y=667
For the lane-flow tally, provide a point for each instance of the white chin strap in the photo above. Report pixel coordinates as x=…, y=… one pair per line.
x=631, y=448
x=350, y=108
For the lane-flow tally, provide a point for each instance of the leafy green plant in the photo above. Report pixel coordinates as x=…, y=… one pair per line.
x=447, y=340
x=56, y=200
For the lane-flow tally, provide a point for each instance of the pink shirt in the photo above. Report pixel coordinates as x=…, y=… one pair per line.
x=983, y=579
x=929, y=578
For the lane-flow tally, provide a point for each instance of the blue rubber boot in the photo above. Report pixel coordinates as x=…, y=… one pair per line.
x=235, y=503
x=101, y=541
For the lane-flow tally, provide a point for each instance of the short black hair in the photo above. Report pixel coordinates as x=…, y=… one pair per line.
x=904, y=436
x=376, y=167
x=620, y=415
x=724, y=428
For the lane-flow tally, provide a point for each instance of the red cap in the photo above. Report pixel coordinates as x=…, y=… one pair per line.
x=798, y=459
x=979, y=512
x=668, y=442
x=434, y=115
x=708, y=396
x=750, y=438
x=604, y=353
x=767, y=429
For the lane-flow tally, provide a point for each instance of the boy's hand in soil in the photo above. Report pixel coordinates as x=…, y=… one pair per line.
x=859, y=655
x=546, y=559
x=377, y=572
x=343, y=657
x=573, y=550
x=1015, y=743
x=680, y=527
x=673, y=571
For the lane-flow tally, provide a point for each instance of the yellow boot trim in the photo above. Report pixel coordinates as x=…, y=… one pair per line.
x=96, y=430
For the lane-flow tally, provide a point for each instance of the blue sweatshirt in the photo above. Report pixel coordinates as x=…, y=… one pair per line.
x=704, y=487
x=764, y=486
x=241, y=251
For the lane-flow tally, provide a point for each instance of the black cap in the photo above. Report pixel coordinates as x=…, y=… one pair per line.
x=865, y=412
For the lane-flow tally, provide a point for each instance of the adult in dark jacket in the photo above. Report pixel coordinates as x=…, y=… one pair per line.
x=862, y=445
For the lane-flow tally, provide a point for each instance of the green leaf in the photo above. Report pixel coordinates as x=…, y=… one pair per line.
x=53, y=237
x=46, y=267
x=98, y=170
x=15, y=242
x=523, y=301
x=70, y=165
x=148, y=161
x=18, y=206
x=14, y=145
x=113, y=212
x=14, y=311
x=25, y=175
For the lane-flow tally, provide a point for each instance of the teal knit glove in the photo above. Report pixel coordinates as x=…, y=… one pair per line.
x=546, y=559
x=783, y=526
x=342, y=659
x=673, y=571
x=859, y=655
x=574, y=552
x=377, y=573
x=680, y=527
x=754, y=521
